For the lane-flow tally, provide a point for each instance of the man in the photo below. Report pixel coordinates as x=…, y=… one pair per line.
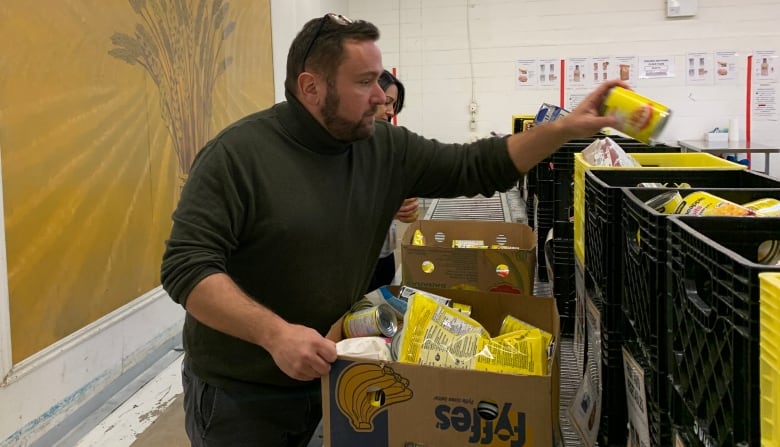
x=281, y=222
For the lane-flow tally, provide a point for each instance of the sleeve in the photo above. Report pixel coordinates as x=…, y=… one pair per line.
x=206, y=223
x=436, y=169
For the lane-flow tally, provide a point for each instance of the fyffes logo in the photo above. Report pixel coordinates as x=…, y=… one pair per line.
x=364, y=390
x=485, y=423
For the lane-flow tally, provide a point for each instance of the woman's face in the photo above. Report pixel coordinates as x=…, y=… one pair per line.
x=385, y=112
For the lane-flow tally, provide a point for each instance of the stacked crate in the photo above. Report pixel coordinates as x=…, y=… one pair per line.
x=555, y=209
x=598, y=207
x=647, y=312
x=714, y=288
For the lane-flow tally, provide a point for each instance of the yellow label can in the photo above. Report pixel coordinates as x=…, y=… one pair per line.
x=765, y=207
x=638, y=117
x=666, y=202
x=702, y=203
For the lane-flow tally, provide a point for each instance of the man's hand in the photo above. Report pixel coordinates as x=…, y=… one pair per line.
x=301, y=352
x=528, y=148
x=409, y=211
x=586, y=120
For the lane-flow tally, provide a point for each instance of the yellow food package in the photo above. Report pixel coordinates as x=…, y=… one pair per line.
x=468, y=243
x=517, y=352
x=511, y=324
x=418, y=238
x=437, y=335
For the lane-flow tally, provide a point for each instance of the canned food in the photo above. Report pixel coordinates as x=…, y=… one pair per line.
x=363, y=303
x=666, y=202
x=371, y=321
x=769, y=253
x=637, y=116
x=395, y=344
x=765, y=207
x=701, y=203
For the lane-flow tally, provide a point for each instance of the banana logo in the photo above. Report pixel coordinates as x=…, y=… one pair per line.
x=364, y=390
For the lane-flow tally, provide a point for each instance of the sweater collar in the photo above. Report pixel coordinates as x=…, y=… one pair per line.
x=306, y=130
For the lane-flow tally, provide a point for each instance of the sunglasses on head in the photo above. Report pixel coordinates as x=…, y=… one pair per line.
x=335, y=18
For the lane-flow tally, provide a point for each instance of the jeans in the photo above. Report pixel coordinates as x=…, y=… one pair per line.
x=267, y=416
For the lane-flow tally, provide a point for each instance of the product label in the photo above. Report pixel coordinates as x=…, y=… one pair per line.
x=639, y=433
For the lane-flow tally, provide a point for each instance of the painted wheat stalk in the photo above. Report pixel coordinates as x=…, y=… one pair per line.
x=180, y=46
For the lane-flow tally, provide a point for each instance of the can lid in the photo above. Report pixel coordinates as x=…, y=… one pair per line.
x=769, y=252
x=388, y=323
x=658, y=202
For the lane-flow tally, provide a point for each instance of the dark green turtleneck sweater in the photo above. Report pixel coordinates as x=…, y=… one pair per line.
x=298, y=218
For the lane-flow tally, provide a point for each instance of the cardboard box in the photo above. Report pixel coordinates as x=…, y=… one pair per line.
x=441, y=407
x=439, y=265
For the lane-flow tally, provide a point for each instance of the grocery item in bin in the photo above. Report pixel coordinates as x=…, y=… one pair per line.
x=374, y=348
x=605, y=152
x=769, y=253
x=436, y=335
x=468, y=243
x=666, y=202
x=765, y=207
x=406, y=292
x=418, y=238
x=511, y=324
x=637, y=116
x=370, y=321
x=702, y=203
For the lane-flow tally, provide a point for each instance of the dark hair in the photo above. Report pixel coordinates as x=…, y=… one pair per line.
x=323, y=38
x=386, y=79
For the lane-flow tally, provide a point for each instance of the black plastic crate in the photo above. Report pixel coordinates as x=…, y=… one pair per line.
x=644, y=263
x=530, y=196
x=657, y=394
x=562, y=163
x=603, y=234
x=545, y=181
x=614, y=415
x=714, y=288
x=563, y=274
x=543, y=217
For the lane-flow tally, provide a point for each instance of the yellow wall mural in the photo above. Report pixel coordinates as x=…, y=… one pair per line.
x=103, y=105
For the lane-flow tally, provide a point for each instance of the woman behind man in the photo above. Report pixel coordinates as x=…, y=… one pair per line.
x=384, y=272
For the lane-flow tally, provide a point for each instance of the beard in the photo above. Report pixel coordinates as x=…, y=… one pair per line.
x=341, y=128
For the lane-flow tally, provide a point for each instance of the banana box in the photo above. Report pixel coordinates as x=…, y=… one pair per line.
x=374, y=403
x=506, y=264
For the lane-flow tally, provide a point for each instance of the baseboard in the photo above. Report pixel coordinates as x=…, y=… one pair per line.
x=41, y=393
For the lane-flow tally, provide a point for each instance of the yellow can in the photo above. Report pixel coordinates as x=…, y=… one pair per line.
x=765, y=207
x=666, y=202
x=638, y=117
x=702, y=203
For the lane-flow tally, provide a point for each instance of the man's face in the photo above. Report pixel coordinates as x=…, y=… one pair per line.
x=353, y=95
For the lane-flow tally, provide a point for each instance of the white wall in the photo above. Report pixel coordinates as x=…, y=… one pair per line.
x=428, y=42
x=287, y=18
